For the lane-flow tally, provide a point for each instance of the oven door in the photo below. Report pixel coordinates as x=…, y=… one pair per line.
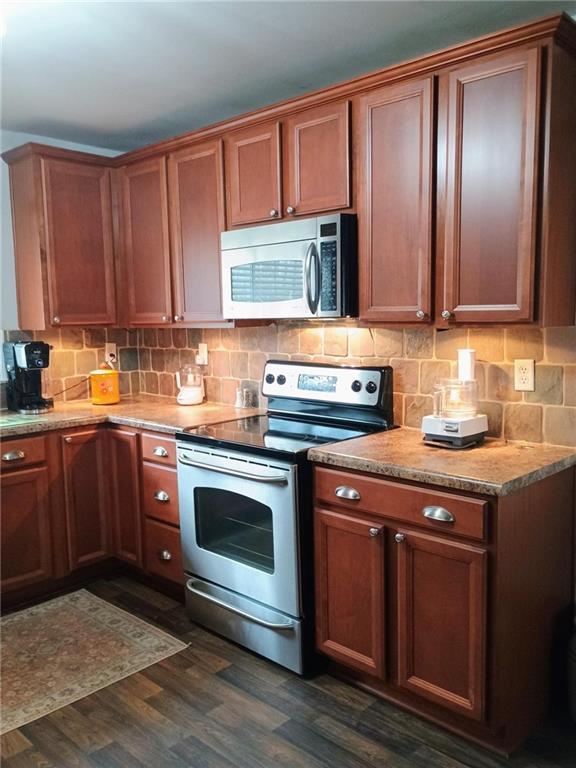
x=267, y=281
x=238, y=522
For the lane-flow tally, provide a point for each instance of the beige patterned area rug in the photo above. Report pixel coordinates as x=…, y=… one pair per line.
x=62, y=650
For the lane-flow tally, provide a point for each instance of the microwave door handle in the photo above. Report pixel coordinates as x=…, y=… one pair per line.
x=308, y=277
x=316, y=258
x=312, y=255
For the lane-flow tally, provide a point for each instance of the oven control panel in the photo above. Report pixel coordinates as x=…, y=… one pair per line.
x=323, y=383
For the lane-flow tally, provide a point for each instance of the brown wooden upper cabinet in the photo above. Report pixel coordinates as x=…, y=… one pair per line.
x=317, y=160
x=146, y=245
x=196, y=181
x=490, y=109
x=396, y=123
x=63, y=237
x=253, y=174
x=309, y=174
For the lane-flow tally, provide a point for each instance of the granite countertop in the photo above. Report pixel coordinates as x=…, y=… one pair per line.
x=497, y=468
x=145, y=412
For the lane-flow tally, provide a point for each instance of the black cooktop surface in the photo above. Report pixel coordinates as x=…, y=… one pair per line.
x=272, y=433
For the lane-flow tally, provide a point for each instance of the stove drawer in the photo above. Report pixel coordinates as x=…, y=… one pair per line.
x=447, y=512
x=163, y=551
x=160, y=493
x=161, y=450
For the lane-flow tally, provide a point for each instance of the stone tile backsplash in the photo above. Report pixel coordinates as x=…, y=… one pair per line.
x=419, y=357
x=149, y=359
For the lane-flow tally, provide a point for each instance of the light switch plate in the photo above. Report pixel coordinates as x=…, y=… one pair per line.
x=524, y=375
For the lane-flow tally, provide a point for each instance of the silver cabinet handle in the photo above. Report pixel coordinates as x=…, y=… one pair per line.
x=159, y=451
x=67, y=439
x=164, y=318
x=446, y=314
x=273, y=212
x=373, y=532
x=178, y=318
x=56, y=320
x=290, y=209
x=13, y=456
x=346, y=492
x=273, y=479
x=162, y=496
x=420, y=314
x=400, y=538
x=438, y=513
x=164, y=554
x=238, y=611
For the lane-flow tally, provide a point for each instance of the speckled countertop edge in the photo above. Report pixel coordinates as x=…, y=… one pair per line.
x=333, y=456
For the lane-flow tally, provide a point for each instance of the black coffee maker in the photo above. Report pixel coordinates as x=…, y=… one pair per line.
x=25, y=361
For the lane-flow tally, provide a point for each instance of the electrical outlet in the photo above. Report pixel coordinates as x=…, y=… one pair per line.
x=110, y=354
x=524, y=375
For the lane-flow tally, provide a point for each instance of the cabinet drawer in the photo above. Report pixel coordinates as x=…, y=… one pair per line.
x=160, y=489
x=161, y=450
x=163, y=551
x=396, y=501
x=22, y=452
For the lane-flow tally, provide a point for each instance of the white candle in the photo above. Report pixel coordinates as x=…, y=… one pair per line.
x=466, y=364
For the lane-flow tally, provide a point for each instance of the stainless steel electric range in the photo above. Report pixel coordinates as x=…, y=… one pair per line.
x=245, y=491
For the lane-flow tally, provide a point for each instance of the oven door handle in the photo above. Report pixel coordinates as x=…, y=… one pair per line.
x=284, y=625
x=272, y=479
x=312, y=255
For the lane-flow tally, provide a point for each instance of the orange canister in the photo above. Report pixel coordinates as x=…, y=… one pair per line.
x=105, y=386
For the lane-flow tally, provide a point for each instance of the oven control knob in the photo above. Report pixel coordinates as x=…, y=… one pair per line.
x=356, y=385
x=281, y=379
x=371, y=387
x=270, y=378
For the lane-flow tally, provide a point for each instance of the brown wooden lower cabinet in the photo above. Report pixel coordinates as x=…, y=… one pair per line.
x=463, y=624
x=441, y=620
x=163, y=551
x=26, y=528
x=86, y=496
x=125, y=494
x=350, y=590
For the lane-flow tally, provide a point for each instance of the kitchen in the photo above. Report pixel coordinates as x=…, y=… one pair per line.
x=289, y=425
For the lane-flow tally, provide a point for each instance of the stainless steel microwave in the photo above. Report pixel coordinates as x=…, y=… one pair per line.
x=296, y=269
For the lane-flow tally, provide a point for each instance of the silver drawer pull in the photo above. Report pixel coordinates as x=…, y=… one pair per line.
x=161, y=496
x=159, y=451
x=373, y=532
x=346, y=492
x=164, y=554
x=13, y=456
x=438, y=513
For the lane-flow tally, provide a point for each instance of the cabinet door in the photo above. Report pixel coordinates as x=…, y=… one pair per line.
x=79, y=243
x=86, y=502
x=491, y=180
x=442, y=621
x=26, y=530
x=317, y=171
x=146, y=253
x=349, y=565
x=253, y=174
x=125, y=495
x=196, y=219
x=396, y=128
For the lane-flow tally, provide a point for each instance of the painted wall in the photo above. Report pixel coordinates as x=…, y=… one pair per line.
x=8, y=140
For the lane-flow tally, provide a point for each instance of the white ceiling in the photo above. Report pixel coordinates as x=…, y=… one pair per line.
x=124, y=74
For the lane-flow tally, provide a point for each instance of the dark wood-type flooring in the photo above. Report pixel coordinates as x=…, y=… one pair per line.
x=217, y=706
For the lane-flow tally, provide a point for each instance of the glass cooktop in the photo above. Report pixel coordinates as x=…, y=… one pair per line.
x=271, y=433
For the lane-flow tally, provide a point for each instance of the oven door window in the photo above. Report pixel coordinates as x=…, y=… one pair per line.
x=234, y=526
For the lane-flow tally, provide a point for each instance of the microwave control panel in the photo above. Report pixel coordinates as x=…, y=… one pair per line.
x=329, y=267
